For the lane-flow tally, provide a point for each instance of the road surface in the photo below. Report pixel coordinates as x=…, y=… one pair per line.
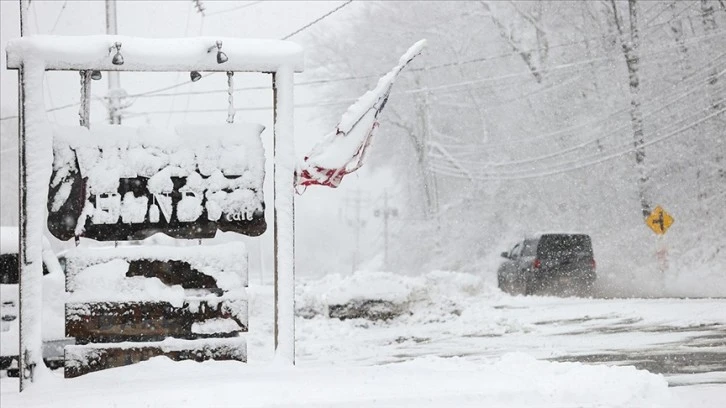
x=683, y=339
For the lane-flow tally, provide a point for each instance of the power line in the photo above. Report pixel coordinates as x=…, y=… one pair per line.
x=208, y=74
x=305, y=27
x=452, y=172
x=234, y=8
x=60, y=13
x=313, y=82
x=350, y=78
x=199, y=6
x=588, y=164
x=373, y=76
x=351, y=100
x=472, y=82
x=476, y=150
x=460, y=163
x=472, y=150
x=407, y=92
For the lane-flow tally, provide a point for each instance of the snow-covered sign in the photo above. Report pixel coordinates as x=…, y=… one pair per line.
x=343, y=150
x=33, y=56
x=123, y=183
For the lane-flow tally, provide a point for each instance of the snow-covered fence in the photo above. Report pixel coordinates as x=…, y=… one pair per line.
x=32, y=56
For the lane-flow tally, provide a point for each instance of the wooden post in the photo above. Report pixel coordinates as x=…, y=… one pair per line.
x=284, y=215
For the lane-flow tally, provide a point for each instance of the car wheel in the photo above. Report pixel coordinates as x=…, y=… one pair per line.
x=586, y=290
x=501, y=285
x=531, y=287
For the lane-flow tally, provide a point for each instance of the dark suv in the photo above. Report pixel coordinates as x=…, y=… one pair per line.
x=555, y=263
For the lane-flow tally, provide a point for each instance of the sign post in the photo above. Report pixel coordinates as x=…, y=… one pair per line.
x=659, y=221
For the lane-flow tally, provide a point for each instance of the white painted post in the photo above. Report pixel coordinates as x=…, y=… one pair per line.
x=284, y=215
x=30, y=347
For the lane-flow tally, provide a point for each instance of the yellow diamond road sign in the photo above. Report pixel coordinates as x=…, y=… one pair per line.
x=659, y=220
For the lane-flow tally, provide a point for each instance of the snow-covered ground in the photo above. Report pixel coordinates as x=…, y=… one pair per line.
x=458, y=342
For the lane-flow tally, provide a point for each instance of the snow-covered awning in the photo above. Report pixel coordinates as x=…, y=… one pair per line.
x=154, y=54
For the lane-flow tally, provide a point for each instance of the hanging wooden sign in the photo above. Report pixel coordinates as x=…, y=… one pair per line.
x=117, y=183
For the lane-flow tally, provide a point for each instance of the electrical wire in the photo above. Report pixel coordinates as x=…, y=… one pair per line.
x=60, y=13
x=312, y=23
x=501, y=177
x=475, y=174
x=467, y=84
x=178, y=74
x=408, y=92
x=244, y=6
x=477, y=150
x=460, y=160
x=149, y=93
x=434, y=67
x=439, y=66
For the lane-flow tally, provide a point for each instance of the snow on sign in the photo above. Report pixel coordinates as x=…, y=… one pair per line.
x=126, y=305
x=659, y=220
x=123, y=183
x=343, y=150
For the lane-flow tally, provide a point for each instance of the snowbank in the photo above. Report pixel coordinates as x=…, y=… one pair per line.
x=438, y=292
x=514, y=380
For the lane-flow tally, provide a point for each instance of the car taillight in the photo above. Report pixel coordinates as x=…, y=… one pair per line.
x=593, y=263
x=536, y=264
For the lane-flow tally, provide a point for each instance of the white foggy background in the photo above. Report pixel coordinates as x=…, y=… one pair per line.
x=480, y=101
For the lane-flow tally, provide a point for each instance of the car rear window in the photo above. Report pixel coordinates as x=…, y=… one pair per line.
x=530, y=247
x=564, y=245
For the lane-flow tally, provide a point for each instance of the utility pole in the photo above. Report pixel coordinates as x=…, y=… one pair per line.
x=385, y=229
x=386, y=211
x=358, y=224
x=356, y=201
x=24, y=5
x=199, y=6
x=114, y=80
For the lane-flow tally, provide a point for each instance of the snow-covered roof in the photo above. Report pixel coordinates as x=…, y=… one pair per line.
x=154, y=54
x=539, y=234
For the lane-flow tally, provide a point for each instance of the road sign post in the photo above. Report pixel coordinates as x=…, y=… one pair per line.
x=659, y=221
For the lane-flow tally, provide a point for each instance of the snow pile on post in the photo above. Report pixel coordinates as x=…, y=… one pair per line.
x=343, y=150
